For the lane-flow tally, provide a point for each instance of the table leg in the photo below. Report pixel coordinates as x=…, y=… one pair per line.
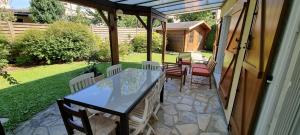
x=162, y=94
x=124, y=125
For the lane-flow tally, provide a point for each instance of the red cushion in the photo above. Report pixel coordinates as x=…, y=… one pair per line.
x=200, y=72
x=174, y=72
x=199, y=66
x=185, y=62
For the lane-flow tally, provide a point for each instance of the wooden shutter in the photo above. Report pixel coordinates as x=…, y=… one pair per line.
x=231, y=52
x=262, y=40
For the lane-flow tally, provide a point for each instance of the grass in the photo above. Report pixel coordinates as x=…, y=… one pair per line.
x=40, y=86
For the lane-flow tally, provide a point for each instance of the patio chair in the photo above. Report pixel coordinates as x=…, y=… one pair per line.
x=81, y=82
x=151, y=65
x=157, y=92
x=185, y=58
x=78, y=123
x=206, y=71
x=202, y=65
x=174, y=70
x=141, y=114
x=2, y=132
x=112, y=70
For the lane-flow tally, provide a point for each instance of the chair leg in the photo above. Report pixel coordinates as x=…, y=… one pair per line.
x=180, y=84
x=191, y=79
x=209, y=82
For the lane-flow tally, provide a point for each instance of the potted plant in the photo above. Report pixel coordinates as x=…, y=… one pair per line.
x=92, y=68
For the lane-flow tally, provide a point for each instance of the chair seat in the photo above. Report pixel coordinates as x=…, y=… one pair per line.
x=199, y=66
x=186, y=62
x=200, y=72
x=174, y=72
x=100, y=126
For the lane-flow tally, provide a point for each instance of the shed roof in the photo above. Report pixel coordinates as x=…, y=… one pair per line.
x=185, y=25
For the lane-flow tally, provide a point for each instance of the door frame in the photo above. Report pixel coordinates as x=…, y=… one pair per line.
x=276, y=91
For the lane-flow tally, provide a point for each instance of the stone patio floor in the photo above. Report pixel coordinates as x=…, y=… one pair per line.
x=194, y=111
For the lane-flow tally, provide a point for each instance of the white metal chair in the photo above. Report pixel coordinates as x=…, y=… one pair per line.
x=81, y=82
x=151, y=65
x=112, y=70
x=157, y=92
x=139, y=117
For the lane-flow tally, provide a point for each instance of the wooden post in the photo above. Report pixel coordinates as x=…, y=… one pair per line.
x=113, y=37
x=149, y=37
x=164, y=34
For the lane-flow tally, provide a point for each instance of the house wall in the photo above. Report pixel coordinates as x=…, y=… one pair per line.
x=176, y=41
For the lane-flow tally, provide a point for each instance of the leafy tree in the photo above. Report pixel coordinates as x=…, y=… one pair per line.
x=3, y=60
x=207, y=16
x=46, y=11
x=80, y=17
x=96, y=18
x=6, y=15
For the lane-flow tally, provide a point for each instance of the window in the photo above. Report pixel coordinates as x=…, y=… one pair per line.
x=191, y=38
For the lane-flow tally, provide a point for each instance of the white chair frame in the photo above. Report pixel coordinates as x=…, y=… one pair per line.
x=151, y=65
x=112, y=70
x=157, y=104
x=81, y=82
x=140, y=116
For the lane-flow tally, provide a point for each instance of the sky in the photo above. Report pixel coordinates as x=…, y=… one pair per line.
x=19, y=4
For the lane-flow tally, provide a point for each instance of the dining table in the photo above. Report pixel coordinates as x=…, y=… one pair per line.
x=119, y=94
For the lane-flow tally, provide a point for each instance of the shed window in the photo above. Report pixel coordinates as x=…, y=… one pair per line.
x=191, y=38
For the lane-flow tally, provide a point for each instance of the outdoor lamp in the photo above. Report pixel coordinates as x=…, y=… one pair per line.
x=119, y=13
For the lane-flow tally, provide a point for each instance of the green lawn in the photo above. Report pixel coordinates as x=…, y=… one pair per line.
x=40, y=86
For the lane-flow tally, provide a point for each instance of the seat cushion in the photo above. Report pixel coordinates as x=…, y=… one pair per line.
x=200, y=72
x=199, y=66
x=174, y=72
x=100, y=126
x=186, y=62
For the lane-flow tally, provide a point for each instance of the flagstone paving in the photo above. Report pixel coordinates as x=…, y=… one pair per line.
x=194, y=111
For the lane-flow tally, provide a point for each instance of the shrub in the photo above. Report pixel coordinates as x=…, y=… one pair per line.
x=211, y=38
x=139, y=42
x=102, y=53
x=61, y=42
x=125, y=49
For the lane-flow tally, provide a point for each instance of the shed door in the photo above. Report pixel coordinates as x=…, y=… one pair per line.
x=231, y=52
x=254, y=70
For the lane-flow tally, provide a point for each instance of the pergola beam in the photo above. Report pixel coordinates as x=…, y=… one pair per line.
x=141, y=21
x=164, y=34
x=113, y=37
x=149, y=37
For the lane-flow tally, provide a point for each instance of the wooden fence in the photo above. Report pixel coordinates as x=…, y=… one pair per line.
x=13, y=29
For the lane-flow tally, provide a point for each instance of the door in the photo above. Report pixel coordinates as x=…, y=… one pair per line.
x=261, y=42
x=238, y=17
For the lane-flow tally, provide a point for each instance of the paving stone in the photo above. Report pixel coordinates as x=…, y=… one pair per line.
x=188, y=117
x=25, y=131
x=183, y=107
x=163, y=130
x=173, y=100
x=210, y=133
x=187, y=101
x=187, y=129
x=168, y=120
x=174, y=132
x=200, y=108
x=57, y=130
x=203, y=121
x=3, y=120
x=220, y=124
x=40, y=131
x=170, y=109
x=202, y=98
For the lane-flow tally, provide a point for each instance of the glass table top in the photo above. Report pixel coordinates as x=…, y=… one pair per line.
x=119, y=92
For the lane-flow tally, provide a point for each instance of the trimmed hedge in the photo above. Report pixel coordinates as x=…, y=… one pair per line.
x=61, y=42
x=3, y=51
x=211, y=38
x=139, y=42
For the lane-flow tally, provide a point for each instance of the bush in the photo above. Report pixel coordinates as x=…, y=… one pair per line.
x=139, y=42
x=211, y=38
x=61, y=42
x=102, y=53
x=125, y=49
x=3, y=51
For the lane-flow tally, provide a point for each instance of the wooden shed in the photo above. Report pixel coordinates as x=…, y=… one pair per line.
x=186, y=36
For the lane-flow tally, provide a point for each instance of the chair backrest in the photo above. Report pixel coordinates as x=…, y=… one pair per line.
x=149, y=104
x=151, y=65
x=112, y=70
x=2, y=132
x=81, y=82
x=161, y=81
x=211, y=65
x=184, y=56
x=68, y=114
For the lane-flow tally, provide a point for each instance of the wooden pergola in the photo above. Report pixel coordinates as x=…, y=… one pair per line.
x=152, y=9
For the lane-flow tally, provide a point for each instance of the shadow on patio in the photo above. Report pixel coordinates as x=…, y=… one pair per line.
x=195, y=110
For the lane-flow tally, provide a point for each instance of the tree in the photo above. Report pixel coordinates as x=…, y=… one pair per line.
x=207, y=16
x=96, y=17
x=3, y=60
x=46, y=11
x=6, y=15
x=80, y=17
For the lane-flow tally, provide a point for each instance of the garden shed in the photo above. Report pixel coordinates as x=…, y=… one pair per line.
x=186, y=36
